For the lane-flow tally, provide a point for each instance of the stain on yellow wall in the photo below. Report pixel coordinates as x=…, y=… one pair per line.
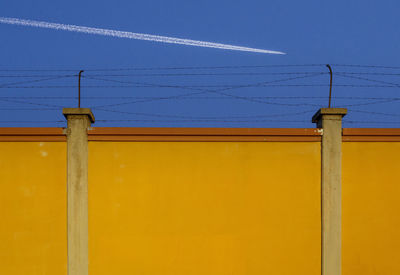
x=33, y=235
x=371, y=208
x=204, y=208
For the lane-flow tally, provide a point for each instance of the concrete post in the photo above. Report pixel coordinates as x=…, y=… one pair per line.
x=330, y=120
x=79, y=120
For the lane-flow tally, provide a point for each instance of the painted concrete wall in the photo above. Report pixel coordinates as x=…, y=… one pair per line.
x=204, y=208
x=199, y=207
x=33, y=224
x=371, y=208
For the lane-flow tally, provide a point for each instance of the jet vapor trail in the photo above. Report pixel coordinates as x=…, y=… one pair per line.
x=130, y=35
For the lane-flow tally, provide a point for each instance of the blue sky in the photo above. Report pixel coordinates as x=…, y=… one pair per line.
x=310, y=32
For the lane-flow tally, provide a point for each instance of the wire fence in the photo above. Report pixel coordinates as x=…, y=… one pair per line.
x=203, y=96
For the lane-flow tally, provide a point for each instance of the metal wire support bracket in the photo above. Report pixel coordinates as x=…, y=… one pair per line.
x=330, y=85
x=79, y=88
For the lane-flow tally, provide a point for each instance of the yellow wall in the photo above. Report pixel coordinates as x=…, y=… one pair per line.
x=204, y=208
x=33, y=236
x=371, y=208
x=199, y=208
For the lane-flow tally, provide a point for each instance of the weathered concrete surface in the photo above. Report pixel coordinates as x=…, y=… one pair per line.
x=330, y=119
x=79, y=120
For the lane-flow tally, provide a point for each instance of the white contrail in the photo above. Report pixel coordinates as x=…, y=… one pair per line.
x=130, y=35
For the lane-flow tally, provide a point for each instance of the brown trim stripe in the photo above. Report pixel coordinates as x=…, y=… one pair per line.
x=32, y=134
x=201, y=134
x=371, y=134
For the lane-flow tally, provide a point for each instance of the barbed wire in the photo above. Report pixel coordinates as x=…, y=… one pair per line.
x=198, y=86
x=385, y=77
x=220, y=91
x=370, y=80
x=164, y=68
x=200, y=121
x=206, y=117
x=30, y=103
x=372, y=103
x=366, y=66
x=29, y=109
x=374, y=113
x=198, y=74
x=4, y=85
x=200, y=97
x=166, y=74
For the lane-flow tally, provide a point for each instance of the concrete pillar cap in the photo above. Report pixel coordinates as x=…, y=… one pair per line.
x=328, y=111
x=78, y=111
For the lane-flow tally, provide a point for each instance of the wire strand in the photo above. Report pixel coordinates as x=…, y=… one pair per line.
x=204, y=91
x=205, y=117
